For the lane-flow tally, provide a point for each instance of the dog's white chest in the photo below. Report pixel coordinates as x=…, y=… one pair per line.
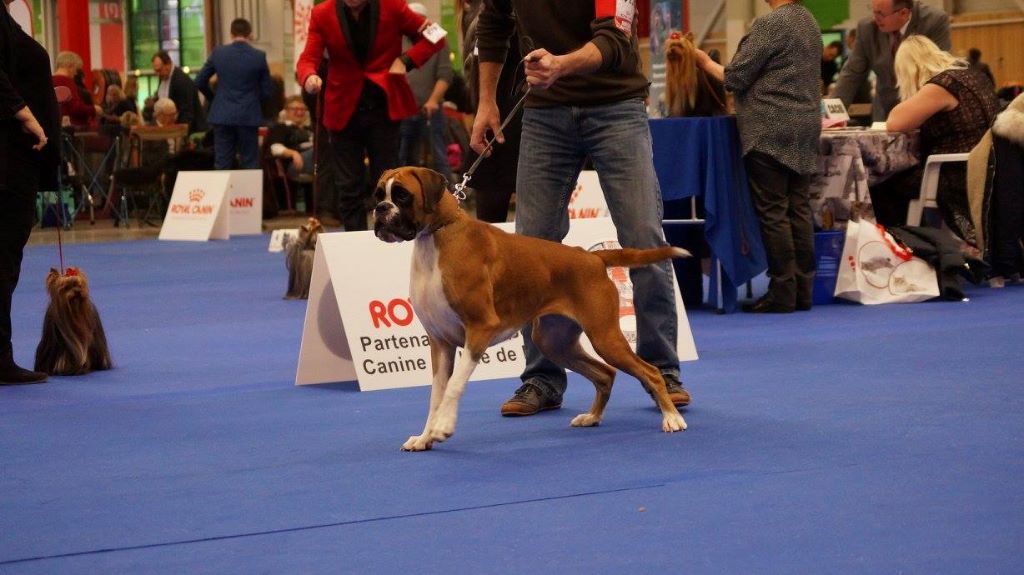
x=428, y=299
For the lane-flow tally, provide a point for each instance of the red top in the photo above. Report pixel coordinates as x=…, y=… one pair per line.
x=345, y=75
x=76, y=108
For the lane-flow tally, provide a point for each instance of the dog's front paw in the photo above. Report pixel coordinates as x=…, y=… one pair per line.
x=585, y=420
x=417, y=443
x=672, y=423
x=443, y=427
x=441, y=434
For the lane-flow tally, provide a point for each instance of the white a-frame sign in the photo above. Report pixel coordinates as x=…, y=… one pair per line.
x=196, y=211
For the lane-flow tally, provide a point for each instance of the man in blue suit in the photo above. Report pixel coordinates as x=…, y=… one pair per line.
x=243, y=80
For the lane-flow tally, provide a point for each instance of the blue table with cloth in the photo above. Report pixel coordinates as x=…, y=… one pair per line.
x=703, y=157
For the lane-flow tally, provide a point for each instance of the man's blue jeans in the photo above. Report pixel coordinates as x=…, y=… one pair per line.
x=434, y=128
x=616, y=137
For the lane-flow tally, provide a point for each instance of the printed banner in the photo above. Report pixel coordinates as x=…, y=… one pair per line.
x=196, y=212
x=300, y=26
x=245, y=203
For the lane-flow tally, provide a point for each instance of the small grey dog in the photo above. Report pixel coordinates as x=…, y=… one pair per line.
x=299, y=259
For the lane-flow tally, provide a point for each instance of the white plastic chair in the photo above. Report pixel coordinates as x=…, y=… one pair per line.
x=930, y=186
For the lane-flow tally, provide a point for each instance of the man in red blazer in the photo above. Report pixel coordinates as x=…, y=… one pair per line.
x=367, y=93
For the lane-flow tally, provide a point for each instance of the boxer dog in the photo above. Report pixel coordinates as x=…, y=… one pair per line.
x=474, y=285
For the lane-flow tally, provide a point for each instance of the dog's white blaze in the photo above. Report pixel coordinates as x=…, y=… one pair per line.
x=427, y=292
x=392, y=211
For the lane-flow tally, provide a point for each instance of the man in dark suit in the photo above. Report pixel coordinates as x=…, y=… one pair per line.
x=367, y=92
x=176, y=85
x=877, y=40
x=29, y=159
x=243, y=81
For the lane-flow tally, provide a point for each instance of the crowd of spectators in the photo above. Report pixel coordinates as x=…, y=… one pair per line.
x=864, y=69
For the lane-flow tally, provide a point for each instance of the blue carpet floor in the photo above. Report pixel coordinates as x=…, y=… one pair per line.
x=845, y=440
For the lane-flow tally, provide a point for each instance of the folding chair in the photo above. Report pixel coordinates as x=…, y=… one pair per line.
x=140, y=177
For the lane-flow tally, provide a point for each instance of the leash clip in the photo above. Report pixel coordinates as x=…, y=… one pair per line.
x=459, y=189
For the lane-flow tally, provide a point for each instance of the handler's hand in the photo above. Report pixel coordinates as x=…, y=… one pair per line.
x=703, y=59
x=487, y=118
x=32, y=127
x=543, y=68
x=313, y=84
x=397, y=67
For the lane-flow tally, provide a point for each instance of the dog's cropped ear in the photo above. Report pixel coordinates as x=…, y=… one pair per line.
x=434, y=186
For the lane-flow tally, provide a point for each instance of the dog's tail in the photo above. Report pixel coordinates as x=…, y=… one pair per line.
x=634, y=258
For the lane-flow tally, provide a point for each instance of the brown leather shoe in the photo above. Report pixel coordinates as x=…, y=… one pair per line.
x=676, y=392
x=528, y=400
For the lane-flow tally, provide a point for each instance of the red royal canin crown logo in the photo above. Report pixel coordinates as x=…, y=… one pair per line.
x=196, y=195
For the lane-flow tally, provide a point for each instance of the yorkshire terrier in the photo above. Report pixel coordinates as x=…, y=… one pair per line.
x=299, y=259
x=73, y=341
x=689, y=91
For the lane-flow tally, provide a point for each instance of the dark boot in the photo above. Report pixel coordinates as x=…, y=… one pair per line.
x=11, y=374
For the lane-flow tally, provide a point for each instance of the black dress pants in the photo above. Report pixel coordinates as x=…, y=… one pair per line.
x=370, y=133
x=782, y=200
x=17, y=216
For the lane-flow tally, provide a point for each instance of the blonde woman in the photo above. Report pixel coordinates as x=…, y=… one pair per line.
x=953, y=106
x=67, y=71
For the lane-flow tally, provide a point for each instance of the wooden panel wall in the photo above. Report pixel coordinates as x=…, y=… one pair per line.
x=998, y=36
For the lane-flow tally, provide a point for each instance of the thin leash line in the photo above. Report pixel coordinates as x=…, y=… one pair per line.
x=316, y=152
x=459, y=190
x=60, y=218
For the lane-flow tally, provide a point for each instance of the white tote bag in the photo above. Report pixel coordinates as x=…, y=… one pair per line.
x=876, y=269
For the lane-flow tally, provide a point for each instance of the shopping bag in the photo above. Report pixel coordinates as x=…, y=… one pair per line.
x=877, y=269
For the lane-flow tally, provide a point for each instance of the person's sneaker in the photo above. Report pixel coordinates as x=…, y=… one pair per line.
x=528, y=400
x=14, y=375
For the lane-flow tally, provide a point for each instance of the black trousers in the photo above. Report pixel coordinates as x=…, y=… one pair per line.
x=891, y=198
x=17, y=216
x=370, y=133
x=782, y=200
x=1006, y=209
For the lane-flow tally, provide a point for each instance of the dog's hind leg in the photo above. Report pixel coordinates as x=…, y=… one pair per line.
x=612, y=346
x=442, y=360
x=558, y=338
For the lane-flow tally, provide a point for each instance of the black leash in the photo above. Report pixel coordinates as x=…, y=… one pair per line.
x=459, y=190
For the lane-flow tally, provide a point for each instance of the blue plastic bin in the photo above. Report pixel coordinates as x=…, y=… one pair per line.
x=828, y=250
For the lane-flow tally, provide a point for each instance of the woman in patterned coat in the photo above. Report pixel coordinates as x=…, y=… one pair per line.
x=774, y=79
x=953, y=105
